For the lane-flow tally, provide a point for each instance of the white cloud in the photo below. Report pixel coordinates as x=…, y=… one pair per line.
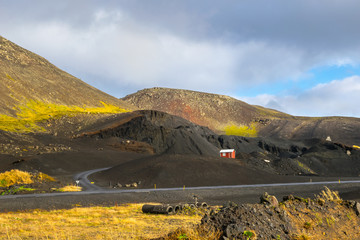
x=336, y=98
x=124, y=46
x=117, y=48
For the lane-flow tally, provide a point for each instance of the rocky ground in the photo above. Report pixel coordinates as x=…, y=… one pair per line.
x=294, y=218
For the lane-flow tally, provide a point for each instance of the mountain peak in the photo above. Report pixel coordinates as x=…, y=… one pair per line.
x=207, y=109
x=25, y=76
x=14, y=54
x=224, y=114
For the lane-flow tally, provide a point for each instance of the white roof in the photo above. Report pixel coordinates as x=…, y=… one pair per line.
x=227, y=150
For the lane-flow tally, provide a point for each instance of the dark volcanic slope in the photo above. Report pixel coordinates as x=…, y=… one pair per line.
x=170, y=135
x=26, y=76
x=164, y=132
x=179, y=170
x=217, y=111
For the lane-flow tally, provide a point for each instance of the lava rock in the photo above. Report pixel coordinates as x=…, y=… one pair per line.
x=269, y=200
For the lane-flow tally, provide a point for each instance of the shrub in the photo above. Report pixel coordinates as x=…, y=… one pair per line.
x=328, y=195
x=307, y=225
x=18, y=177
x=249, y=235
x=15, y=176
x=42, y=177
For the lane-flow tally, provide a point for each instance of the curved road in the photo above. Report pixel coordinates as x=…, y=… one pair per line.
x=91, y=187
x=84, y=181
x=93, y=194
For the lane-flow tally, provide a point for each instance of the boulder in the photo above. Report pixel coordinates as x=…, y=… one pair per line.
x=269, y=200
x=357, y=208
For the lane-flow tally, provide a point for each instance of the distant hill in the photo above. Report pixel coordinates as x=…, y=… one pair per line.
x=226, y=114
x=25, y=76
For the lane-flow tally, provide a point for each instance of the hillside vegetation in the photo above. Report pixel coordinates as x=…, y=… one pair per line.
x=33, y=112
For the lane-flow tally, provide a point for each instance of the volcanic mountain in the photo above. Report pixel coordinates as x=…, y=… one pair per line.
x=219, y=112
x=25, y=76
x=54, y=123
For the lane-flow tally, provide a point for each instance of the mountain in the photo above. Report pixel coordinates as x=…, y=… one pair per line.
x=25, y=76
x=211, y=110
x=226, y=114
x=189, y=154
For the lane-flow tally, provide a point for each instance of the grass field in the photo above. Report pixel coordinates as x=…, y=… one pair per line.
x=118, y=222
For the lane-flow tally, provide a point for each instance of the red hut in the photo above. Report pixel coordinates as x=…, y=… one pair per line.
x=227, y=153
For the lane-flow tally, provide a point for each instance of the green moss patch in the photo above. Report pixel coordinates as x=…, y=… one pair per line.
x=243, y=130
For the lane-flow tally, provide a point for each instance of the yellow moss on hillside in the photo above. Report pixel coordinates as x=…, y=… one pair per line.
x=33, y=112
x=243, y=130
x=11, y=124
x=305, y=167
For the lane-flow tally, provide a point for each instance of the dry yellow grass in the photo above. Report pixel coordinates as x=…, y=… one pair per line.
x=198, y=232
x=70, y=188
x=42, y=177
x=118, y=222
x=328, y=195
x=15, y=176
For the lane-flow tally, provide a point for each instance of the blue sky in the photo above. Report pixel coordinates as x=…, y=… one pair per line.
x=301, y=57
x=312, y=77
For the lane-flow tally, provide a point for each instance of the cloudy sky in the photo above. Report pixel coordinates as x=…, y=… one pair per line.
x=301, y=56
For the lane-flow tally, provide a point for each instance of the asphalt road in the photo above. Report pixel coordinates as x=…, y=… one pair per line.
x=91, y=187
x=95, y=195
x=84, y=181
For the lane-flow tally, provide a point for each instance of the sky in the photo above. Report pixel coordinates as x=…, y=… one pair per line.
x=301, y=57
